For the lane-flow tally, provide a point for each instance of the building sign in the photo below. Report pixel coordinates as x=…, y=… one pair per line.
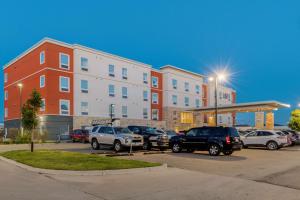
x=259, y=120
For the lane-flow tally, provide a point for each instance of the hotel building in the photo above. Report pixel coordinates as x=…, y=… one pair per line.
x=81, y=86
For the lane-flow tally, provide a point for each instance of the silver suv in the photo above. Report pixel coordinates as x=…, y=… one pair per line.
x=117, y=137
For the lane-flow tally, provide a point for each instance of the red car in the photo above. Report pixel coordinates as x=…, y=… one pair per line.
x=80, y=135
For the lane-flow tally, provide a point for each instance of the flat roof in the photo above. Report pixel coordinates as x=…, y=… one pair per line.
x=182, y=70
x=244, y=107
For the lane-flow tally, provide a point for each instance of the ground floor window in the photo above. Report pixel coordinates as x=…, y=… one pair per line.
x=154, y=114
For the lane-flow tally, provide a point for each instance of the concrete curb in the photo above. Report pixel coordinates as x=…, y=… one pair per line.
x=84, y=173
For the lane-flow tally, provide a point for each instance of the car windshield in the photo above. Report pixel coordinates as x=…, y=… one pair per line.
x=171, y=133
x=150, y=130
x=120, y=130
x=233, y=132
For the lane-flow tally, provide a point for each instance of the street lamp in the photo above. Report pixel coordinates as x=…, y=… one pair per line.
x=217, y=77
x=111, y=113
x=20, y=86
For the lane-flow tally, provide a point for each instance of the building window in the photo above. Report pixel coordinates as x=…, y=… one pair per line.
x=5, y=77
x=64, y=61
x=42, y=57
x=145, y=113
x=174, y=99
x=145, y=95
x=42, y=81
x=154, y=98
x=124, y=73
x=145, y=78
x=5, y=112
x=111, y=90
x=84, y=62
x=84, y=84
x=186, y=101
x=154, y=82
x=124, y=111
x=111, y=70
x=186, y=86
x=5, y=95
x=64, y=84
x=197, y=102
x=174, y=83
x=186, y=117
x=43, y=106
x=64, y=107
x=84, y=108
x=154, y=114
x=197, y=88
x=111, y=111
x=124, y=92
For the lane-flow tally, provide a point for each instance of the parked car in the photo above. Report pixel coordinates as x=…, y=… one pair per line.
x=292, y=135
x=272, y=140
x=117, y=137
x=151, y=137
x=171, y=133
x=80, y=135
x=212, y=139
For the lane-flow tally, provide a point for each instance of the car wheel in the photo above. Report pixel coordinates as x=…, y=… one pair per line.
x=214, y=150
x=176, y=148
x=272, y=145
x=227, y=153
x=95, y=144
x=117, y=146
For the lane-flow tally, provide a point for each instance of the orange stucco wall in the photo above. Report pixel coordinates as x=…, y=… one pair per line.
x=27, y=70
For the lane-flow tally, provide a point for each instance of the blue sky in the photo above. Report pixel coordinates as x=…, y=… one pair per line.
x=258, y=40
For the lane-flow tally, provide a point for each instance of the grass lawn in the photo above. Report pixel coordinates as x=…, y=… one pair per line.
x=63, y=160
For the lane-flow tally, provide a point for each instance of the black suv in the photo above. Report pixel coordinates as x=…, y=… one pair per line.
x=212, y=139
x=151, y=137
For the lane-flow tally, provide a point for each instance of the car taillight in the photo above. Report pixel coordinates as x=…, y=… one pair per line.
x=227, y=140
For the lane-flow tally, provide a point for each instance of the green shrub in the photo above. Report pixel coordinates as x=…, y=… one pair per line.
x=24, y=138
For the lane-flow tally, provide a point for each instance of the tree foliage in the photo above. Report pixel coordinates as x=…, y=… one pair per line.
x=294, y=122
x=30, y=111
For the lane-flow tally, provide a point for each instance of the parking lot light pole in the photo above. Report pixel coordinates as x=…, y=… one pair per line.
x=20, y=86
x=217, y=78
x=111, y=113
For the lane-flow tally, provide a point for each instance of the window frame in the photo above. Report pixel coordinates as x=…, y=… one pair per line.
x=113, y=71
x=43, y=108
x=188, y=101
x=114, y=92
x=5, y=95
x=60, y=64
x=5, y=112
x=124, y=76
x=174, y=97
x=81, y=111
x=126, y=95
x=197, y=88
x=42, y=77
x=152, y=99
x=186, y=86
x=60, y=81
x=84, y=68
x=5, y=77
x=145, y=116
x=145, y=92
x=154, y=78
x=60, y=103
x=156, y=114
x=174, y=86
x=82, y=89
x=44, y=57
x=145, y=78
x=126, y=114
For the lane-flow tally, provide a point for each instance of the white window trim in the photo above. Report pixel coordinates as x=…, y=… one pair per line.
x=114, y=91
x=5, y=95
x=42, y=62
x=5, y=112
x=186, y=86
x=125, y=96
x=174, y=86
x=111, y=74
x=87, y=113
x=83, y=90
x=154, y=93
x=60, y=54
x=126, y=114
x=145, y=81
x=5, y=77
x=43, y=109
x=126, y=75
x=152, y=81
x=64, y=100
x=157, y=114
x=174, y=97
x=145, y=116
x=68, y=84
x=42, y=76
x=145, y=99
x=84, y=68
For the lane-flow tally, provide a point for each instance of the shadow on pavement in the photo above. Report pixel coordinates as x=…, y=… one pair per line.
x=206, y=156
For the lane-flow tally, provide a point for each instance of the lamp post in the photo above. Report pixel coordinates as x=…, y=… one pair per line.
x=218, y=77
x=20, y=86
x=111, y=113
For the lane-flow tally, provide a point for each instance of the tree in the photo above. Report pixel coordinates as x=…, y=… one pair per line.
x=294, y=122
x=30, y=113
